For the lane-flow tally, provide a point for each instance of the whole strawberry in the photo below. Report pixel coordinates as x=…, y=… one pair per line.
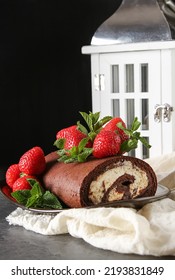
x=63, y=133
x=106, y=143
x=33, y=161
x=7, y=191
x=72, y=137
x=112, y=125
x=22, y=184
x=12, y=174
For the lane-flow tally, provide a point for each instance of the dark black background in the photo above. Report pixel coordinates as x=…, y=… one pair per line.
x=44, y=77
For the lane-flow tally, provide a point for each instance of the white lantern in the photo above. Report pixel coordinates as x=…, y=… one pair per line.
x=137, y=78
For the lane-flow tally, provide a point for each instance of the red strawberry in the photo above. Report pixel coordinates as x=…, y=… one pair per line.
x=22, y=183
x=12, y=174
x=106, y=143
x=65, y=131
x=73, y=137
x=33, y=161
x=112, y=125
x=7, y=191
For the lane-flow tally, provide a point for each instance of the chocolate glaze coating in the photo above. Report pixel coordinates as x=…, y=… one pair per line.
x=70, y=182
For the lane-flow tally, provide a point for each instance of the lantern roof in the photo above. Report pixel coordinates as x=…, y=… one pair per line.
x=134, y=21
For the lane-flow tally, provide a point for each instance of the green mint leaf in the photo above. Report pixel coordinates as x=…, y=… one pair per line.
x=49, y=200
x=73, y=151
x=59, y=143
x=88, y=119
x=61, y=153
x=36, y=189
x=126, y=130
x=82, y=144
x=145, y=142
x=33, y=201
x=36, y=197
x=136, y=124
x=33, y=182
x=76, y=154
x=63, y=158
x=84, y=155
x=36, y=193
x=21, y=196
x=101, y=122
x=93, y=122
x=82, y=128
x=92, y=135
x=129, y=145
x=134, y=137
x=69, y=159
x=94, y=117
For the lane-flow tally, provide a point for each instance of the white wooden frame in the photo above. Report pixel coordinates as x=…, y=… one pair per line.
x=160, y=57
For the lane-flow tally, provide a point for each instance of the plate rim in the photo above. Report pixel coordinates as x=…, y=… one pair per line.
x=132, y=203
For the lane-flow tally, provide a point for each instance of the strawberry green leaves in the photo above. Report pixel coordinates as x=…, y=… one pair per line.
x=134, y=137
x=36, y=197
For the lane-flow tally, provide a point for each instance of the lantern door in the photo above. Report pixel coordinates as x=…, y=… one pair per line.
x=128, y=84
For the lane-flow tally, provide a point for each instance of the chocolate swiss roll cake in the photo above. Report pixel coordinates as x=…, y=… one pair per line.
x=99, y=180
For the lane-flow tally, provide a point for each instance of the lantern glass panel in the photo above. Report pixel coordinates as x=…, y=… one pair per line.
x=115, y=78
x=145, y=114
x=144, y=77
x=132, y=153
x=145, y=151
x=130, y=111
x=129, y=77
x=115, y=108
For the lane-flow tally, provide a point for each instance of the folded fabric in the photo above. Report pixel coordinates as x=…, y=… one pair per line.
x=163, y=166
x=148, y=231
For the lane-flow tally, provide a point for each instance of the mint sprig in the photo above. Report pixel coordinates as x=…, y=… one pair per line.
x=134, y=137
x=37, y=197
x=93, y=123
x=79, y=153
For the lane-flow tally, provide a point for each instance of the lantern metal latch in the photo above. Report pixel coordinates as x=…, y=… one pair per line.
x=163, y=110
x=99, y=82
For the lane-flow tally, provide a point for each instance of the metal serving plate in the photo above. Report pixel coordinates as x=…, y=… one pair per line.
x=162, y=192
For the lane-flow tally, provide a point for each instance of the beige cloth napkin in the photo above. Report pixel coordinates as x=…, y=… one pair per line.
x=148, y=231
